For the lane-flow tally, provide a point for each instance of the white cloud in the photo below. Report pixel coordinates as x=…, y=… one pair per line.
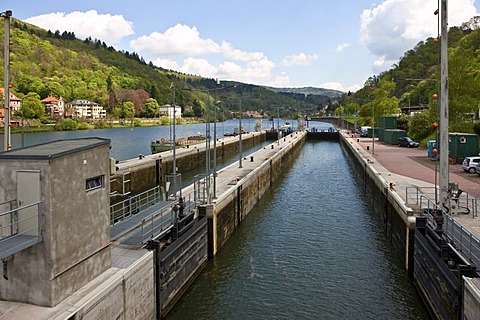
x=166, y=64
x=281, y=81
x=178, y=40
x=340, y=87
x=184, y=44
x=106, y=27
x=395, y=26
x=342, y=47
x=300, y=59
x=198, y=67
x=238, y=55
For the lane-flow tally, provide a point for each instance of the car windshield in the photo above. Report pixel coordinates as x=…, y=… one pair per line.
x=408, y=139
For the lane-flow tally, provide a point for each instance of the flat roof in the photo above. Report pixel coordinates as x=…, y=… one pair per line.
x=54, y=149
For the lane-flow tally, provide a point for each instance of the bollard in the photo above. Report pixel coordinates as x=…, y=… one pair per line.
x=368, y=148
x=251, y=159
x=358, y=140
x=272, y=146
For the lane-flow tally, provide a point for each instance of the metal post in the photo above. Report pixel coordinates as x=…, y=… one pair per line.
x=23, y=131
x=373, y=130
x=174, y=145
x=278, y=125
x=7, y=145
x=207, y=149
x=443, y=179
x=215, y=142
x=240, y=135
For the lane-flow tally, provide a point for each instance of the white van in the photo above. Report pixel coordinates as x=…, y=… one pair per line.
x=364, y=131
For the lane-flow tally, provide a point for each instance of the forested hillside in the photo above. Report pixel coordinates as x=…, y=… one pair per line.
x=56, y=63
x=413, y=83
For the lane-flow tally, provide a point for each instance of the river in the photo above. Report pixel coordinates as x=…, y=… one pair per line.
x=311, y=249
x=128, y=143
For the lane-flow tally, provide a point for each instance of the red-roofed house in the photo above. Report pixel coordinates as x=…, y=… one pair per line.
x=54, y=106
x=15, y=102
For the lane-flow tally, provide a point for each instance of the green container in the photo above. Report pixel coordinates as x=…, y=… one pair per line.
x=463, y=145
x=372, y=131
x=387, y=122
x=381, y=134
x=392, y=135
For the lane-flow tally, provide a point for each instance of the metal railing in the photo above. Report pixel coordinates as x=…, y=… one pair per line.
x=202, y=189
x=462, y=239
x=460, y=203
x=163, y=220
x=20, y=228
x=125, y=209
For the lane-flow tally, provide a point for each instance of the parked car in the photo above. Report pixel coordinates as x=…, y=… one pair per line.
x=407, y=142
x=469, y=164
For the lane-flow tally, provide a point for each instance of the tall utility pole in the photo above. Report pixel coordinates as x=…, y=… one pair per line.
x=215, y=141
x=443, y=178
x=7, y=145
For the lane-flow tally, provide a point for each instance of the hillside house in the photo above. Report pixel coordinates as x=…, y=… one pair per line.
x=53, y=106
x=15, y=102
x=84, y=109
x=168, y=110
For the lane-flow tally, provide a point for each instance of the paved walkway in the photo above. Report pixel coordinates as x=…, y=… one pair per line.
x=410, y=168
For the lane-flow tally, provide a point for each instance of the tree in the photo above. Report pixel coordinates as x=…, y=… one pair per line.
x=128, y=110
x=151, y=108
x=32, y=107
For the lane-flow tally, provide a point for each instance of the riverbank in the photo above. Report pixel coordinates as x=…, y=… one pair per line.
x=35, y=125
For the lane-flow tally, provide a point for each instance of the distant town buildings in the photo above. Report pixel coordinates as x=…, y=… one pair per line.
x=56, y=107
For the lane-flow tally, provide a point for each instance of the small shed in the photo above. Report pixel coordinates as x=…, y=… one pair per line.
x=392, y=135
x=461, y=145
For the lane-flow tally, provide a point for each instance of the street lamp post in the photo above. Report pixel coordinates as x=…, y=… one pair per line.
x=373, y=130
x=215, y=141
x=23, y=131
x=278, y=125
x=240, y=130
x=6, y=122
x=240, y=134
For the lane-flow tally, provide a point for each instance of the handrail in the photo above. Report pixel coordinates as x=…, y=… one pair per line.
x=125, y=209
x=462, y=239
x=164, y=219
x=20, y=228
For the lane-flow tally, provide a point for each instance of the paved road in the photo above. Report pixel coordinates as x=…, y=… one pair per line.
x=414, y=163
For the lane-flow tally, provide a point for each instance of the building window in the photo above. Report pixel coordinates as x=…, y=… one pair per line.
x=94, y=183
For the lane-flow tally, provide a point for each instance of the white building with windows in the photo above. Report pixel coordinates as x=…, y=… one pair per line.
x=85, y=109
x=169, y=111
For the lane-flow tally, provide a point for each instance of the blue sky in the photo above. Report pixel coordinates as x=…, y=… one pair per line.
x=320, y=43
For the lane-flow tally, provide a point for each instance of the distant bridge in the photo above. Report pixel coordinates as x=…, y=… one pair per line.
x=336, y=121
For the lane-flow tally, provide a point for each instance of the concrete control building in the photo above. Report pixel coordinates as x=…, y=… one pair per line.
x=56, y=230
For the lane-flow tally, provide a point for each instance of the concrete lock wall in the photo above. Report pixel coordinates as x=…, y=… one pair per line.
x=235, y=204
x=151, y=170
x=471, y=300
x=130, y=294
x=398, y=219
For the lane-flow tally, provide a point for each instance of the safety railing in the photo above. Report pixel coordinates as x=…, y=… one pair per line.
x=20, y=228
x=163, y=220
x=462, y=239
x=125, y=209
x=460, y=202
x=202, y=189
